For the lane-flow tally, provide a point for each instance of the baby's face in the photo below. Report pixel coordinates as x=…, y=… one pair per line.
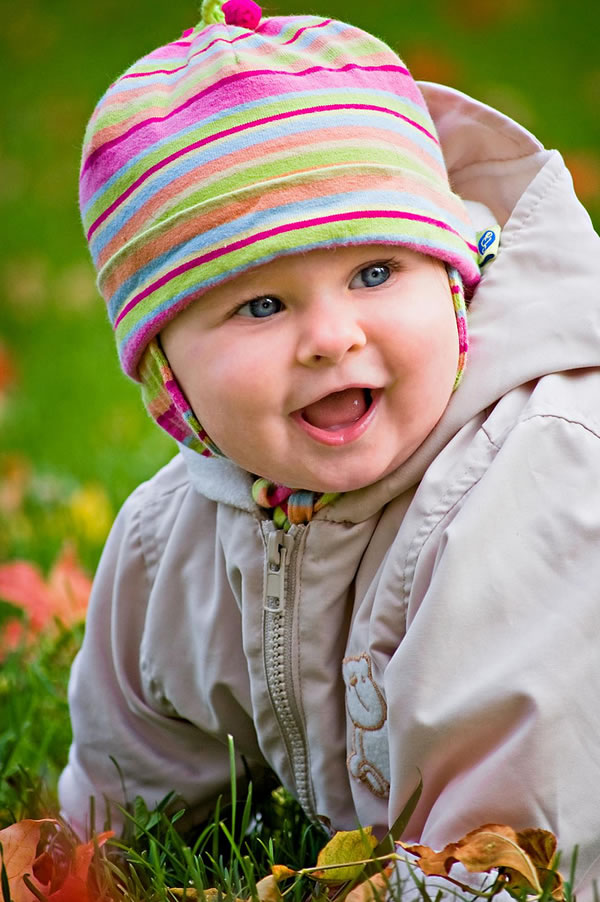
x=321, y=371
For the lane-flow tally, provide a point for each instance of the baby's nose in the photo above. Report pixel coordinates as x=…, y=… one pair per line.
x=328, y=334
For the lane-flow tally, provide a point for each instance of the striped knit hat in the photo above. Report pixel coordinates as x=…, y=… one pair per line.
x=246, y=139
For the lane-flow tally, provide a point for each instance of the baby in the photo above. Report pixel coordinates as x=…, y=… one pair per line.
x=360, y=565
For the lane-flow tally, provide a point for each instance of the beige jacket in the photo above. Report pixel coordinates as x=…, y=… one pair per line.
x=444, y=620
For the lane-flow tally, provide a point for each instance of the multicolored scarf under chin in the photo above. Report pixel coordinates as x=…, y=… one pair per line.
x=289, y=506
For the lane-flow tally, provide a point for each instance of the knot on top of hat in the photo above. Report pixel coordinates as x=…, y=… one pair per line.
x=211, y=12
x=243, y=13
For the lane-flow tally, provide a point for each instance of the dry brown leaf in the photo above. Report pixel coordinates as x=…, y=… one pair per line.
x=496, y=846
x=372, y=890
x=433, y=864
x=523, y=859
x=539, y=844
x=268, y=890
x=19, y=844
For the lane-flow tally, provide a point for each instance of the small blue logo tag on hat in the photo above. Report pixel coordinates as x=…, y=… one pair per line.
x=488, y=243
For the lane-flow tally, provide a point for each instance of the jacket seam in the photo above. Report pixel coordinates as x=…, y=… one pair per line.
x=149, y=508
x=511, y=234
x=453, y=495
x=557, y=416
x=137, y=534
x=476, y=163
x=497, y=443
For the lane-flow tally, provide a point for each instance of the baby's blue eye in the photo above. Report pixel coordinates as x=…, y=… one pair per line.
x=370, y=276
x=261, y=307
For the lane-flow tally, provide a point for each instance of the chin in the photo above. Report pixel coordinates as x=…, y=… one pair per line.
x=347, y=482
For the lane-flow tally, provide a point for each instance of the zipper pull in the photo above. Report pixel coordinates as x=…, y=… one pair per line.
x=279, y=546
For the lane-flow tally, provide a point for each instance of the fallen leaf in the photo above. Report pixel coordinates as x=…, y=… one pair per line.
x=375, y=889
x=64, y=595
x=348, y=849
x=74, y=888
x=43, y=868
x=19, y=845
x=487, y=848
x=22, y=584
x=539, y=844
x=516, y=856
x=268, y=890
x=281, y=872
x=70, y=587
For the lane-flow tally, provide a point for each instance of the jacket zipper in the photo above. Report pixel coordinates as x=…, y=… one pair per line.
x=278, y=615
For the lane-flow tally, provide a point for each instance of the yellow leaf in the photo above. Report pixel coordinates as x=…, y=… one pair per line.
x=348, y=849
x=19, y=845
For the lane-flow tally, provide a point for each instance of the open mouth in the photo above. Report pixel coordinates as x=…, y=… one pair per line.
x=339, y=417
x=338, y=410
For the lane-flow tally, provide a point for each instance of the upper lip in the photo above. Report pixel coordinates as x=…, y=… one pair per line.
x=334, y=391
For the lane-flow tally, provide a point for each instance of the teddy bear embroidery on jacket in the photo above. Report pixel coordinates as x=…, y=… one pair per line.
x=368, y=760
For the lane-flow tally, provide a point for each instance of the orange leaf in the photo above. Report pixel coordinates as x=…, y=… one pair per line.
x=75, y=888
x=85, y=853
x=281, y=872
x=63, y=596
x=70, y=588
x=22, y=584
x=19, y=844
x=43, y=868
x=434, y=864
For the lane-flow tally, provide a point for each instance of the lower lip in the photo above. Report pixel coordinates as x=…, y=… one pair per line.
x=345, y=434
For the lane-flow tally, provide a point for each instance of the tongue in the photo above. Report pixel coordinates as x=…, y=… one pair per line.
x=336, y=410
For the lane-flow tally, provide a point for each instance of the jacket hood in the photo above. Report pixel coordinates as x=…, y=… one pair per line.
x=536, y=310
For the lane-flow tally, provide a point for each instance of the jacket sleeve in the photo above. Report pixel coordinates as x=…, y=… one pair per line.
x=125, y=741
x=493, y=693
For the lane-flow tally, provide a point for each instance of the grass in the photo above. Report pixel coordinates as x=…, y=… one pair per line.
x=74, y=439
x=156, y=859
x=230, y=854
x=233, y=850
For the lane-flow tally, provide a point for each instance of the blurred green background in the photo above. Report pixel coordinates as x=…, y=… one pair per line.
x=74, y=438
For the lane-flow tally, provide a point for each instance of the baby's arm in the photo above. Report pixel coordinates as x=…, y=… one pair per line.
x=494, y=692
x=118, y=711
